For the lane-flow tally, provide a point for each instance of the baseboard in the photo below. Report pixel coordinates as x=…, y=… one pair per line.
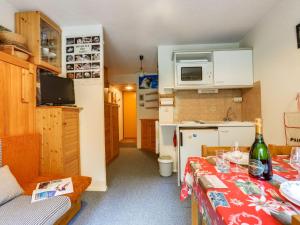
x=97, y=186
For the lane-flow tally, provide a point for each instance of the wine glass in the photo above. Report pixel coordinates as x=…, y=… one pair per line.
x=236, y=155
x=295, y=160
x=222, y=163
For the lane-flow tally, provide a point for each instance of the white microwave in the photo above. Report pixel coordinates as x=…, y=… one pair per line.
x=193, y=73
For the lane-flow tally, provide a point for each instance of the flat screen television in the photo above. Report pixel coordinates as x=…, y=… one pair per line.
x=56, y=90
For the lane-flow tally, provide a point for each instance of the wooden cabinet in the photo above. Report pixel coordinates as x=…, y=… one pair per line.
x=233, y=68
x=43, y=39
x=106, y=82
x=17, y=96
x=148, y=134
x=59, y=127
x=111, y=114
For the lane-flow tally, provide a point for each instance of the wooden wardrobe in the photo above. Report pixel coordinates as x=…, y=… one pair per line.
x=111, y=114
x=17, y=96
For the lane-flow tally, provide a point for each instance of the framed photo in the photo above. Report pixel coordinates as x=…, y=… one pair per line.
x=298, y=34
x=148, y=81
x=83, y=56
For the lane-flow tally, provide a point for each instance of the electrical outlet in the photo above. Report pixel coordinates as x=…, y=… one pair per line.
x=237, y=99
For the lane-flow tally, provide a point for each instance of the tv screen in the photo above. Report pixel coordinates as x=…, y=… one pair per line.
x=56, y=90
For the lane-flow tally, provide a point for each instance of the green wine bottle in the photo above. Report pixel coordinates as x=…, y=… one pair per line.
x=260, y=161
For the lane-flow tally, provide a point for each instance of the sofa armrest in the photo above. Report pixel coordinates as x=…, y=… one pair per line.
x=80, y=184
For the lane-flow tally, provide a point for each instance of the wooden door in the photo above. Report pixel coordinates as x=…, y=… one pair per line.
x=148, y=134
x=71, y=144
x=129, y=115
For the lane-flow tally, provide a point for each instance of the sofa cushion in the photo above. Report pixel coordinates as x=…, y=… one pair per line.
x=80, y=184
x=21, y=211
x=9, y=186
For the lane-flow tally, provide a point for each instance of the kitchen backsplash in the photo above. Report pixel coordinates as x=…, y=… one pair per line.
x=189, y=105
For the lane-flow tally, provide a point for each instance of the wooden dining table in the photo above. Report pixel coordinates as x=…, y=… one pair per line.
x=241, y=199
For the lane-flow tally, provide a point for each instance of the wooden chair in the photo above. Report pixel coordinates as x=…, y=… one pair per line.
x=279, y=149
x=296, y=220
x=211, y=150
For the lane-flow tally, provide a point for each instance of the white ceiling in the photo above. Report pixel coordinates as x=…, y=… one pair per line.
x=134, y=27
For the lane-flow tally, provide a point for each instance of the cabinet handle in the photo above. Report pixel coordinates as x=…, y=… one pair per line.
x=180, y=139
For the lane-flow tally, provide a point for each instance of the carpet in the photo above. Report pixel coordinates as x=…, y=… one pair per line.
x=136, y=195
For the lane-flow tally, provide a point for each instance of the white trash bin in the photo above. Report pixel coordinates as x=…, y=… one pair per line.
x=165, y=165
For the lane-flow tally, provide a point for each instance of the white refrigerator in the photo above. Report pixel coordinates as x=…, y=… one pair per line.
x=190, y=142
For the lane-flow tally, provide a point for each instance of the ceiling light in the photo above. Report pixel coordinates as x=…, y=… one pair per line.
x=128, y=88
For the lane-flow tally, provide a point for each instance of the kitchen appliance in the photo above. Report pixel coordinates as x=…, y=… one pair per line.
x=191, y=141
x=193, y=73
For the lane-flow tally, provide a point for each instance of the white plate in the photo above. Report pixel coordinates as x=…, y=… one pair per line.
x=290, y=190
x=243, y=161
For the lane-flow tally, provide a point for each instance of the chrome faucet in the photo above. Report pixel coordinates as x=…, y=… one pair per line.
x=229, y=114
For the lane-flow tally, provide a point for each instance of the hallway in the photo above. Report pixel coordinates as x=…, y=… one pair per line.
x=136, y=195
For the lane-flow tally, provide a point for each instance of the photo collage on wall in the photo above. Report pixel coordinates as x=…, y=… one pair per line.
x=83, y=57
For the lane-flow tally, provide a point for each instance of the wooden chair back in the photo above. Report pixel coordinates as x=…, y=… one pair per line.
x=22, y=155
x=211, y=150
x=296, y=220
x=279, y=149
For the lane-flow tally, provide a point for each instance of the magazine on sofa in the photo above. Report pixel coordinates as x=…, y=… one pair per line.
x=48, y=189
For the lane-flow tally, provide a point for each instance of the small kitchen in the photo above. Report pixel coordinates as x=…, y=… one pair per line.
x=207, y=97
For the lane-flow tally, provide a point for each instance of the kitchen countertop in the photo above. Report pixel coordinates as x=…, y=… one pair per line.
x=209, y=124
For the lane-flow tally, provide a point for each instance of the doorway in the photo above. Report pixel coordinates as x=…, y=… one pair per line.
x=129, y=116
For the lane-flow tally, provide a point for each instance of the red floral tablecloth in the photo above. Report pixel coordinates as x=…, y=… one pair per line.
x=240, y=203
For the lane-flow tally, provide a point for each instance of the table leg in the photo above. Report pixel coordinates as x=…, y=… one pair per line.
x=195, y=210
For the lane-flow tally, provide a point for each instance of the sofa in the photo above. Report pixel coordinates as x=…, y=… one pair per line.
x=21, y=154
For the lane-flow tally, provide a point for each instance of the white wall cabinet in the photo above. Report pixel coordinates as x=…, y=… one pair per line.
x=233, y=68
x=243, y=135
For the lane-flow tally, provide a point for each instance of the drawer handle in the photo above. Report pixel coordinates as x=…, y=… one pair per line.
x=65, y=123
x=224, y=131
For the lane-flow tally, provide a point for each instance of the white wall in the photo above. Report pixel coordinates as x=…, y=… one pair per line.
x=7, y=15
x=122, y=78
x=89, y=94
x=276, y=65
x=166, y=79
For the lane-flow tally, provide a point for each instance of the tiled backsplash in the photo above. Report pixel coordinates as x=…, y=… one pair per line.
x=189, y=105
